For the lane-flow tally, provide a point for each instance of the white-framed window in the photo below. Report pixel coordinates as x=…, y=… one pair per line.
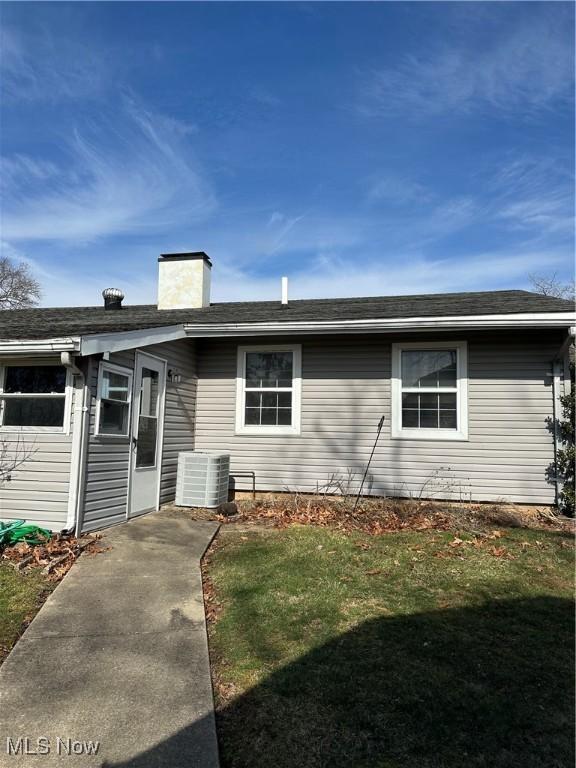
x=114, y=400
x=430, y=390
x=269, y=385
x=35, y=397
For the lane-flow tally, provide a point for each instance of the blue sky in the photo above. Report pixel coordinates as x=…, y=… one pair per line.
x=359, y=148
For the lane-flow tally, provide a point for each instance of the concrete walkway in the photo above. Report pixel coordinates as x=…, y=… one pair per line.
x=118, y=655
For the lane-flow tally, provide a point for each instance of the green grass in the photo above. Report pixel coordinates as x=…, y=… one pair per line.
x=399, y=651
x=20, y=598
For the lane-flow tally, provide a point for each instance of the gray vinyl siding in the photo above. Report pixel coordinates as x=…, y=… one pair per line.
x=108, y=459
x=345, y=391
x=179, y=410
x=39, y=486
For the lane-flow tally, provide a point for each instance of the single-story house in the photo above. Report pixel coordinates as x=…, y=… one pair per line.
x=97, y=402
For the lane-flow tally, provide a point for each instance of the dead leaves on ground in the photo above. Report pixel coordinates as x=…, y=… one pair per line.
x=55, y=556
x=373, y=519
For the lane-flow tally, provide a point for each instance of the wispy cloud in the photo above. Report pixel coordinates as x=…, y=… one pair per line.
x=264, y=96
x=322, y=276
x=37, y=67
x=534, y=193
x=398, y=190
x=137, y=174
x=328, y=276
x=527, y=70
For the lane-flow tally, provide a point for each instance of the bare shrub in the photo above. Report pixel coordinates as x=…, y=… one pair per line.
x=12, y=455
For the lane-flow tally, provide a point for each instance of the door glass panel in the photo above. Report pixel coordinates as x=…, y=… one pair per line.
x=147, y=419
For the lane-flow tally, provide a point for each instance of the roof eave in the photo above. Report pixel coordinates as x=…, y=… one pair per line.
x=117, y=341
x=120, y=340
x=524, y=320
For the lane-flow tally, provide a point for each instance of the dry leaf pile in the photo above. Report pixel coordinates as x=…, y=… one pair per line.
x=376, y=517
x=55, y=556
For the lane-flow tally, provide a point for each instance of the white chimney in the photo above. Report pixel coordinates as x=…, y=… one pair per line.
x=284, y=290
x=184, y=280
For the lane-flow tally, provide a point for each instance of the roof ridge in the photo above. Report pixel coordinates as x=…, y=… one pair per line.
x=407, y=296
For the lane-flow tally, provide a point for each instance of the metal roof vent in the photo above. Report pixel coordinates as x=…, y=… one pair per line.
x=112, y=298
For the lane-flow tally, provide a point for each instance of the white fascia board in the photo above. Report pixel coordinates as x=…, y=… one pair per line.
x=116, y=342
x=38, y=346
x=525, y=320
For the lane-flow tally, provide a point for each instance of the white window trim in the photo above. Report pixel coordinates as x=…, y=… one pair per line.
x=67, y=395
x=112, y=368
x=280, y=429
x=461, y=433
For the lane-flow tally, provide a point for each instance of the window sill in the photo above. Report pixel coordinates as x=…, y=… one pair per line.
x=33, y=431
x=432, y=434
x=268, y=431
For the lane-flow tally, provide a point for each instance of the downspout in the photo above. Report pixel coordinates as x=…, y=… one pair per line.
x=557, y=366
x=79, y=444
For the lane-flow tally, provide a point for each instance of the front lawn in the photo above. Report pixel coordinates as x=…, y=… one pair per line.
x=408, y=650
x=20, y=597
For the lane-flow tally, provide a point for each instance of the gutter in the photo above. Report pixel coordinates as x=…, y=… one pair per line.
x=81, y=467
x=80, y=412
x=525, y=320
x=39, y=346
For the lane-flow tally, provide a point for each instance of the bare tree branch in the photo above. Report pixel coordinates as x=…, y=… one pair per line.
x=549, y=285
x=12, y=455
x=18, y=287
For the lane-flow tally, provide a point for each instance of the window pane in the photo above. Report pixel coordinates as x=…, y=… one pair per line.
x=42, y=379
x=448, y=420
x=252, y=416
x=429, y=419
x=264, y=408
x=115, y=386
x=429, y=368
x=285, y=416
x=34, y=412
x=447, y=377
x=409, y=418
x=269, y=369
x=253, y=399
x=428, y=400
x=410, y=400
x=113, y=418
x=448, y=401
x=146, y=445
x=285, y=399
x=269, y=416
x=269, y=399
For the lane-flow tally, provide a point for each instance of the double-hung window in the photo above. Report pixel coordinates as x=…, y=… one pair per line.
x=429, y=391
x=268, y=390
x=114, y=398
x=34, y=398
